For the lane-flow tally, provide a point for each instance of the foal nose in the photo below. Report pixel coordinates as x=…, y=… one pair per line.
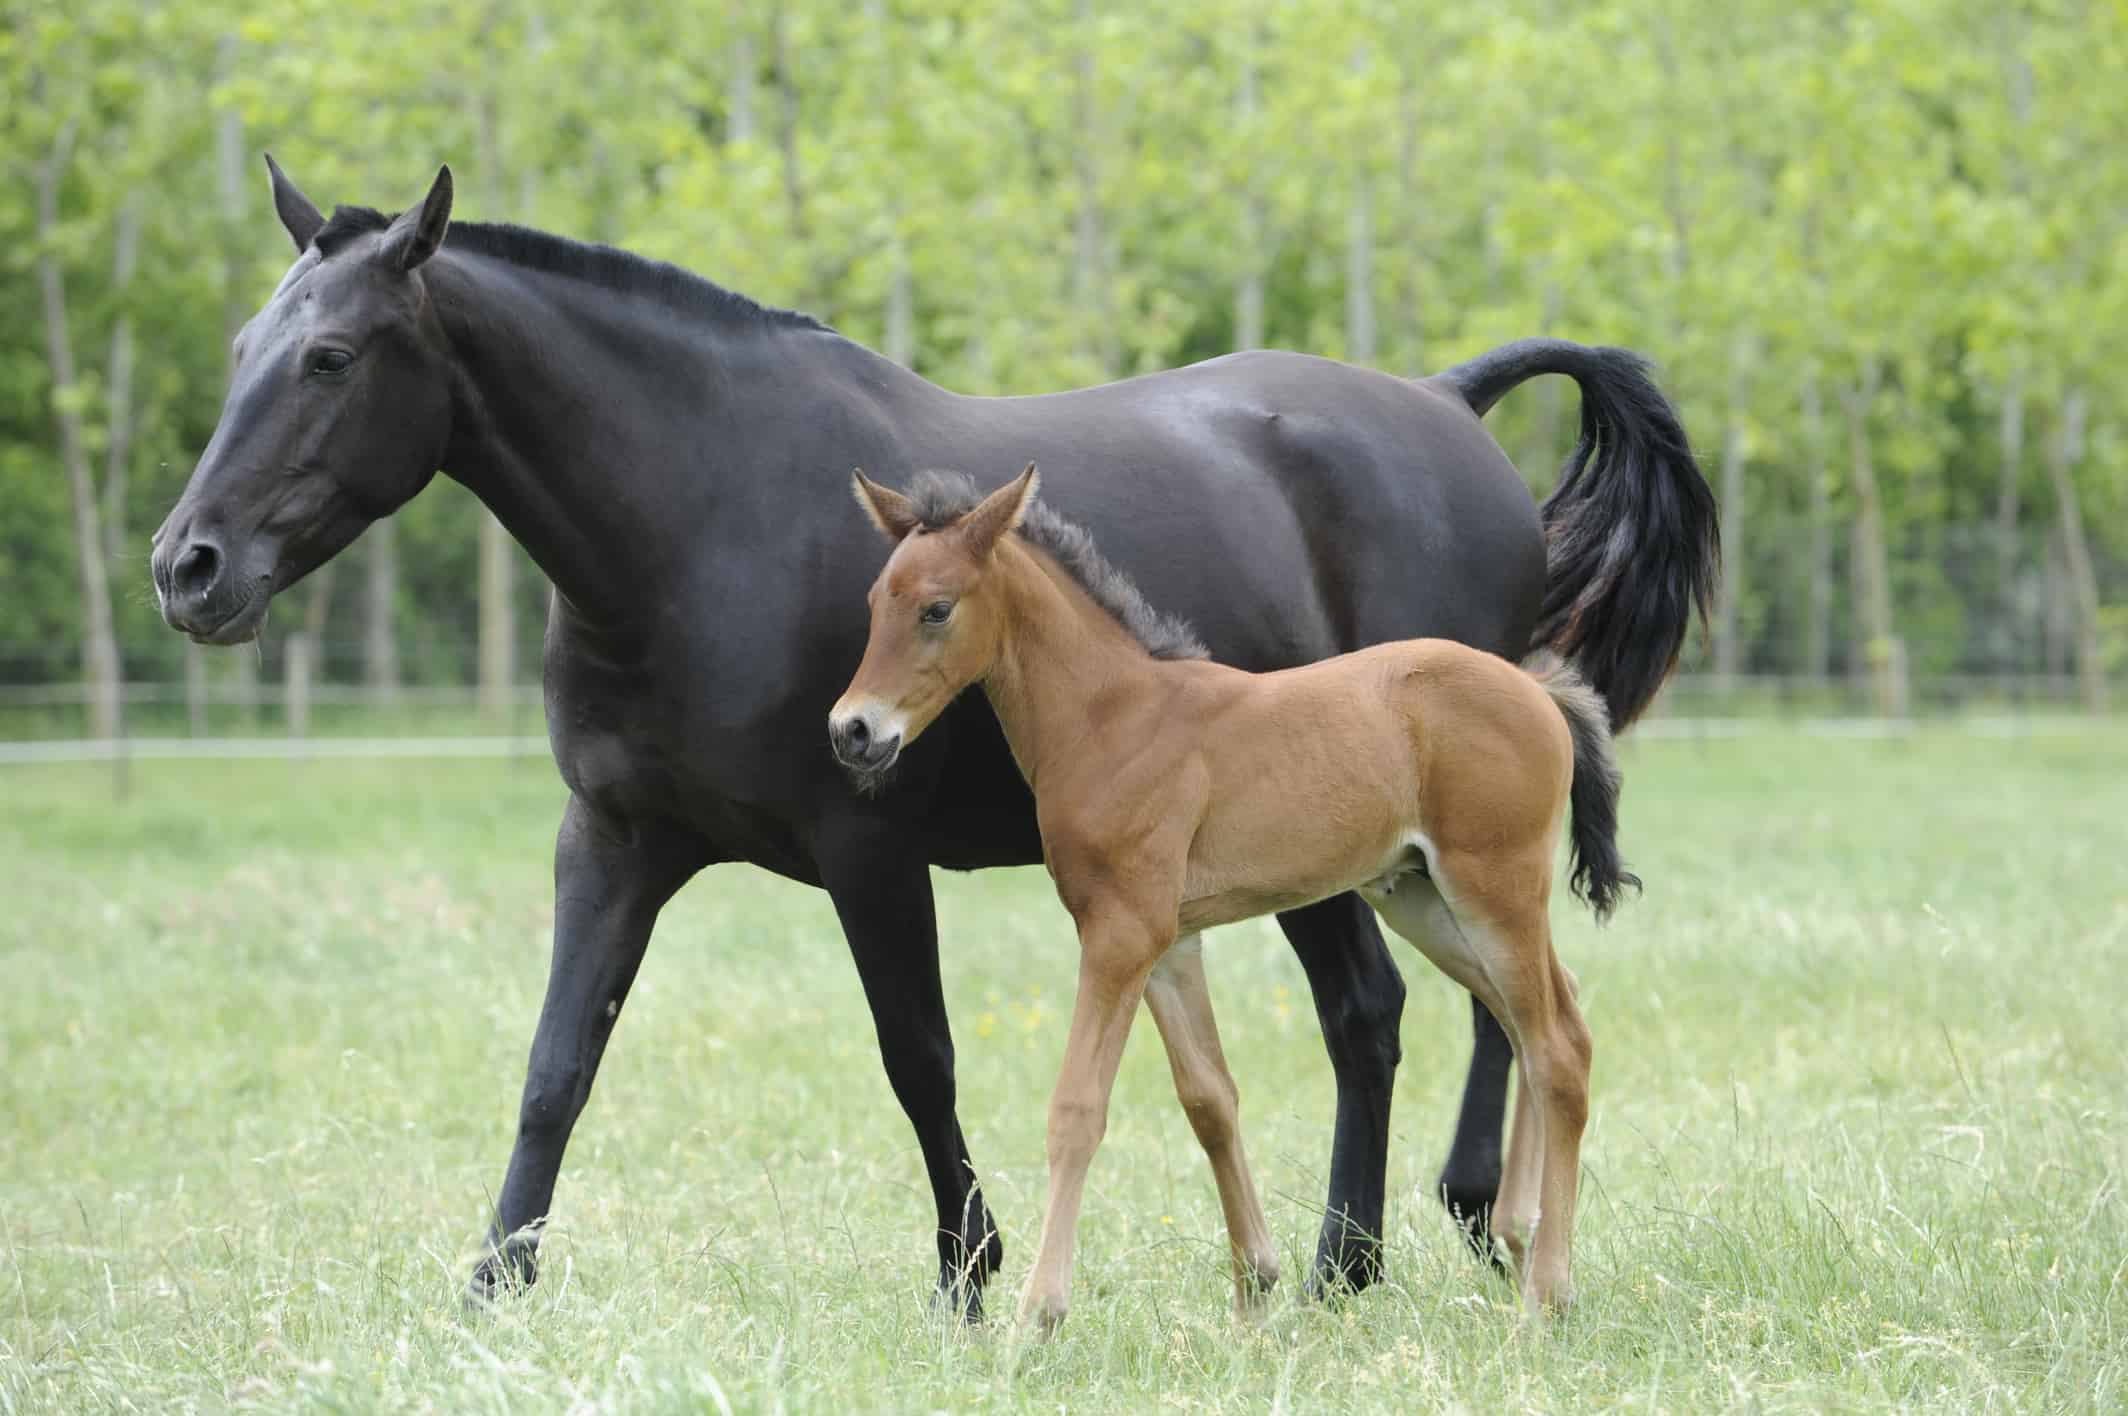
x=855, y=744
x=856, y=737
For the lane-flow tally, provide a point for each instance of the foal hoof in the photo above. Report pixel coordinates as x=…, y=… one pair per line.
x=1252, y=1292
x=1537, y=1311
x=1041, y=1317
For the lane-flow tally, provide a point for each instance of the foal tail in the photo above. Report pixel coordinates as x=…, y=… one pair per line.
x=1631, y=541
x=1598, y=877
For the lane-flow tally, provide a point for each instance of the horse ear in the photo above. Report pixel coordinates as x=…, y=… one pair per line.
x=894, y=514
x=295, y=210
x=1000, y=511
x=414, y=237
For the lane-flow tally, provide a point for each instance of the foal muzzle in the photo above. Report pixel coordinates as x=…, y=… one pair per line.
x=862, y=747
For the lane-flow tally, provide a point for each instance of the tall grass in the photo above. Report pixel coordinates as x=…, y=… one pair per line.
x=1857, y=1139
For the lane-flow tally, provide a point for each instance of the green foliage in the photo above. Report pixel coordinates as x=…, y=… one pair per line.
x=1928, y=188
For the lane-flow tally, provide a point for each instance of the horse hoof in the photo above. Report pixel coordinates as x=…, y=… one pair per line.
x=504, y=1272
x=1472, y=1210
x=958, y=1300
x=1347, y=1261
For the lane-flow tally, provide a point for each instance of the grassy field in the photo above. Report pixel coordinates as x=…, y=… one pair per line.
x=1857, y=1137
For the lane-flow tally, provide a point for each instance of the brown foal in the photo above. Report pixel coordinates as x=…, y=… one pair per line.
x=1175, y=794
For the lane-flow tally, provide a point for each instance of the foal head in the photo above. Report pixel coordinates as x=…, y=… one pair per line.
x=936, y=621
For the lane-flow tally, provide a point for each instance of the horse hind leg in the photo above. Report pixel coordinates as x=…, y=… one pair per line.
x=1181, y=1006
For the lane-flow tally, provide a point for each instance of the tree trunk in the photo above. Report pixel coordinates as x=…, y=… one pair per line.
x=1817, y=621
x=2002, y=640
x=1249, y=290
x=1359, y=254
x=99, y=644
x=2055, y=614
x=1411, y=227
x=1089, y=247
x=1728, y=642
x=229, y=182
x=1541, y=453
x=741, y=127
x=1881, y=652
x=498, y=577
x=195, y=689
x=2082, y=585
x=787, y=125
x=303, y=653
x=901, y=309
x=118, y=451
x=380, y=639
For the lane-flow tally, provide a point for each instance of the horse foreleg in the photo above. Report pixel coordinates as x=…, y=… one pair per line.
x=1115, y=956
x=1181, y=1006
x=607, y=894
x=881, y=887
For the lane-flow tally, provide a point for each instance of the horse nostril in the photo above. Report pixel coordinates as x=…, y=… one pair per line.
x=196, y=570
x=857, y=735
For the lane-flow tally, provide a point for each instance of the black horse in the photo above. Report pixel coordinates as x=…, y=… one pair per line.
x=676, y=458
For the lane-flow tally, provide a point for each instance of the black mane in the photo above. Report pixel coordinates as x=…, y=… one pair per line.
x=579, y=260
x=941, y=498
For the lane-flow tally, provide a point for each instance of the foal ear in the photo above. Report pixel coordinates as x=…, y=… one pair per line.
x=414, y=237
x=296, y=211
x=1000, y=512
x=894, y=514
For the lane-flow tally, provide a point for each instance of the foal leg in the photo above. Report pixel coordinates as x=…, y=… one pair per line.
x=1471, y=1176
x=1115, y=958
x=1555, y=1056
x=1500, y=913
x=1521, y=1198
x=1500, y=949
x=607, y=893
x=1181, y=1006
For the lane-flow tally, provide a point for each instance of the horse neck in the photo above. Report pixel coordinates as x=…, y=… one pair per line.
x=589, y=420
x=1061, y=654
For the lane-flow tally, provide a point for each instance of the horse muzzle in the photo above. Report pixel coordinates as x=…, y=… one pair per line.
x=203, y=595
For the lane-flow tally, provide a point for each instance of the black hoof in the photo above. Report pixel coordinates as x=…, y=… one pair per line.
x=1347, y=1260
x=1471, y=1207
x=958, y=1302
x=962, y=1273
x=504, y=1272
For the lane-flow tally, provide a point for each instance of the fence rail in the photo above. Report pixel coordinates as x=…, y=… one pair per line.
x=168, y=721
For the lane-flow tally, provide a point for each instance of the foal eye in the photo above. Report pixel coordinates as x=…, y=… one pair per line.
x=937, y=612
x=330, y=361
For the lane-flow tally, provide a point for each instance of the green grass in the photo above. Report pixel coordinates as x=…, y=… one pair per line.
x=1857, y=1137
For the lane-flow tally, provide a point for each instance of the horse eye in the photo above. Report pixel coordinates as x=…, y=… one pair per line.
x=937, y=612
x=330, y=361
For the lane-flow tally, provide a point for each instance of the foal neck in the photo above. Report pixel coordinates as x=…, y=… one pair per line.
x=1062, y=660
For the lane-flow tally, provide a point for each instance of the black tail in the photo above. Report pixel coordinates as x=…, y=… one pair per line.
x=1633, y=545
x=1596, y=874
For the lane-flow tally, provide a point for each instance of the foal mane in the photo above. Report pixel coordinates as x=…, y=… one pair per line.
x=608, y=266
x=941, y=498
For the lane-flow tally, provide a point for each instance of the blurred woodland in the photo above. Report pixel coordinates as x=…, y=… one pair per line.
x=1879, y=252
